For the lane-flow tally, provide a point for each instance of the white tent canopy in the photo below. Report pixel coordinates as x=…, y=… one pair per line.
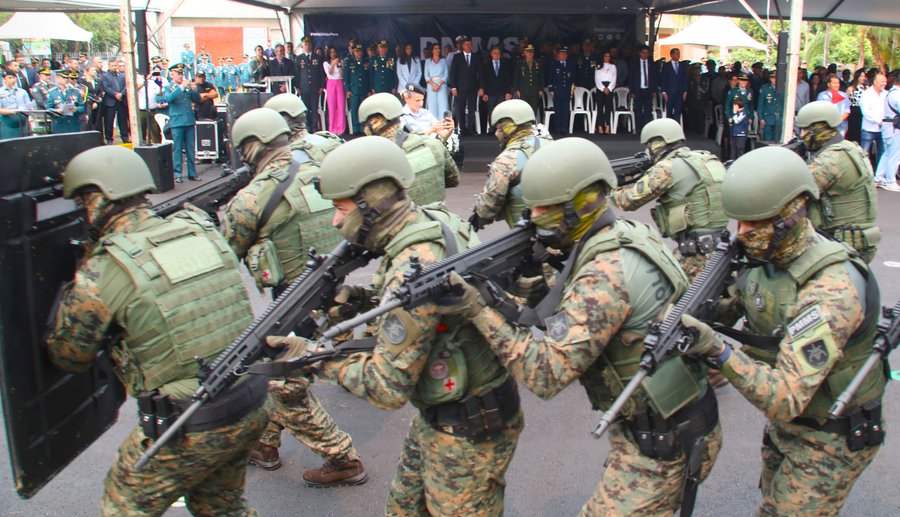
x=713, y=31
x=35, y=25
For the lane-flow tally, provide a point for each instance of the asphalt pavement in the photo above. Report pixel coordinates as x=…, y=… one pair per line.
x=557, y=465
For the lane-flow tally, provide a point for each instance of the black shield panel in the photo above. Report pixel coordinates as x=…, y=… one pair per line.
x=238, y=104
x=50, y=415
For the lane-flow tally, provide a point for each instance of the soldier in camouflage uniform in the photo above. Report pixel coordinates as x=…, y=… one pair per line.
x=528, y=81
x=822, y=304
x=431, y=162
x=272, y=235
x=619, y=279
x=847, y=205
x=119, y=292
x=688, y=186
x=455, y=454
x=315, y=145
x=501, y=197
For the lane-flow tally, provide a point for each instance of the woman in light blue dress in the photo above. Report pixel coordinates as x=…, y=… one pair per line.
x=409, y=68
x=436, y=74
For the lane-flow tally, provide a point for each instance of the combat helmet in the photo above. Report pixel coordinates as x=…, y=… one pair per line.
x=353, y=165
x=264, y=124
x=384, y=104
x=760, y=183
x=556, y=173
x=818, y=111
x=517, y=110
x=117, y=172
x=665, y=128
x=286, y=103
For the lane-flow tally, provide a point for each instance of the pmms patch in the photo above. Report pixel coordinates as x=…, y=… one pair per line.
x=810, y=318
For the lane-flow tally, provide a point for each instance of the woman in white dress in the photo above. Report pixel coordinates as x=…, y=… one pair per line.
x=605, y=79
x=436, y=74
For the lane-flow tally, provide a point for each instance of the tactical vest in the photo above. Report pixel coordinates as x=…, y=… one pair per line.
x=851, y=200
x=460, y=361
x=301, y=221
x=515, y=204
x=769, y=299
x=695, y=203
x=175, y=289
x=428, y=166
x=675, y=384
x=316, y=145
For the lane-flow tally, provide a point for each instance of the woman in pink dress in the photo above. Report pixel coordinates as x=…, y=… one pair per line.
x=334, y=91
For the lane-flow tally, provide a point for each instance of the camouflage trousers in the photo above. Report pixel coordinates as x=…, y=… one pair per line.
x=207, y=468
x=442, y=474
x=293, y=406
x=808, y=472
x=636, y=485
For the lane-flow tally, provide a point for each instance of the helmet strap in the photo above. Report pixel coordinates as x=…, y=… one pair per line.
x=782, y=229
x=370, y=213
x=96, y=229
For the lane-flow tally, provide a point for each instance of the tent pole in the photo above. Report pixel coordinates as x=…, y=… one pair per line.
x=790, y=90
x=126, y=43
x=759, y=20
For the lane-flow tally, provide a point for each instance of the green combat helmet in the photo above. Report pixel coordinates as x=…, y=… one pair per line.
x=286, y=103
x=264, y=124
x=818, y=111
x=665, y=128
x=384, y=104
x=116, y=171
x=517, y=110
x=556, y=173
x=760, y=183
x=353, y=165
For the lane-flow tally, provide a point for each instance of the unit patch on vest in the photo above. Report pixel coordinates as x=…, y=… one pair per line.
x=816, y=353
x=439, y=370
x=557, y=326
x=808, y=319
x=394, y=330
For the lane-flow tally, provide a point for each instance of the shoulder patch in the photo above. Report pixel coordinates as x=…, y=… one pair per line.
x=394, y=330
x=808, y=319
x=816, y=353
x=557, y=326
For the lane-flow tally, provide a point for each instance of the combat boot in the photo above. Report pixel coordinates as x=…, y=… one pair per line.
x=265, y=457
x=336, y=473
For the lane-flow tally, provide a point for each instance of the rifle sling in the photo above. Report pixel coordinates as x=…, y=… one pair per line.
x=451, y=248
x=277, y=194
x=284, y=368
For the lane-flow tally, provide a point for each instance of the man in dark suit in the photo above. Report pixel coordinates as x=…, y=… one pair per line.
x=464, y=84
x=114, y=104
x=282, y=65
x=674, y=85
x=644, y=84
x=496, y=83
x=310, y=80
x=24, y=80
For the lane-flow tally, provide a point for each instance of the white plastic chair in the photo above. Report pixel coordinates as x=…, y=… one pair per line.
x=349, y=117
x=581, y=106
x=623, y=106
x=323, y=106
x=719, y=115
x=547, y=100
x=161, y=120
x=477, y=116
x=753, y=135
x=659, y=107
x=594, y=107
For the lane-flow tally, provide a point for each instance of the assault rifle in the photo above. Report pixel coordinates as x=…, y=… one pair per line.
x=291, y=312
x=663, y=339
x=798, y=146
x=210, y=195
x=629, y=170
x=885, y=341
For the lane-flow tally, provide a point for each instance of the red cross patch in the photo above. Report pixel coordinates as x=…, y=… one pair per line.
x=450, y=384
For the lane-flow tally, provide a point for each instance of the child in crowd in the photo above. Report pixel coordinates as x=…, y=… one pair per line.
x=740, y=124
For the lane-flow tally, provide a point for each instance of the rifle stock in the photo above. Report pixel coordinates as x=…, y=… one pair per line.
x=209, y=196
x=885, y=341
x=291, y=312
x=700, y=301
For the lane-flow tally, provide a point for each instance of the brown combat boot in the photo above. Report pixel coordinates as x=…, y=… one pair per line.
x=265, y=457
x=336, y=473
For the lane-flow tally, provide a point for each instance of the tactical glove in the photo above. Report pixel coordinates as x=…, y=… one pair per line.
x=287, y=347
x=706, y=343
x=349, y=300
x=461, y=299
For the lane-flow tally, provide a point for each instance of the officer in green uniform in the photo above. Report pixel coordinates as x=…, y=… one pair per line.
x=467, y=424
x=41, y=90
x=688, y=186
x=356, y=84
x=431, y=162
x=271, y=224
x=743, y=91
x=528, y=81
x=618, y=279
x=769, y=109
x=847, y=205
x=304, y=145
x=156, y=294
x=383, y=71
x=501, y=197
x=585, y=66
x=811, y=308
x=66, y=100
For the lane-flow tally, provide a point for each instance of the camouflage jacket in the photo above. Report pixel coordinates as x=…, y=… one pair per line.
x=503, y=175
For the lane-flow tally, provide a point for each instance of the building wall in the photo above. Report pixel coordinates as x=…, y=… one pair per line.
x=221, y=36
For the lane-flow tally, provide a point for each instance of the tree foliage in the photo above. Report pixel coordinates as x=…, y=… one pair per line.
x=104, y=26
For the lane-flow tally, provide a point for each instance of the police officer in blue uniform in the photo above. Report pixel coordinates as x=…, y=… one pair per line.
x=61, y=99
x=559, y=80
x=179, y=94
x=356, y=84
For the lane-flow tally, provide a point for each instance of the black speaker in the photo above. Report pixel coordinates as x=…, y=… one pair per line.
x=238, y=104
x=781, y=63
x=159, y=158
x=140, y=42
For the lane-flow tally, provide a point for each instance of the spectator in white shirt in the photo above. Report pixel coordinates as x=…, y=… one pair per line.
x=605, y=80
x=872, y=106
x=886, y=173
x=147, y=105
x=418, y=120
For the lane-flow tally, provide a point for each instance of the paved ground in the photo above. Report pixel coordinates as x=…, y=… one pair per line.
x=557, y=465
